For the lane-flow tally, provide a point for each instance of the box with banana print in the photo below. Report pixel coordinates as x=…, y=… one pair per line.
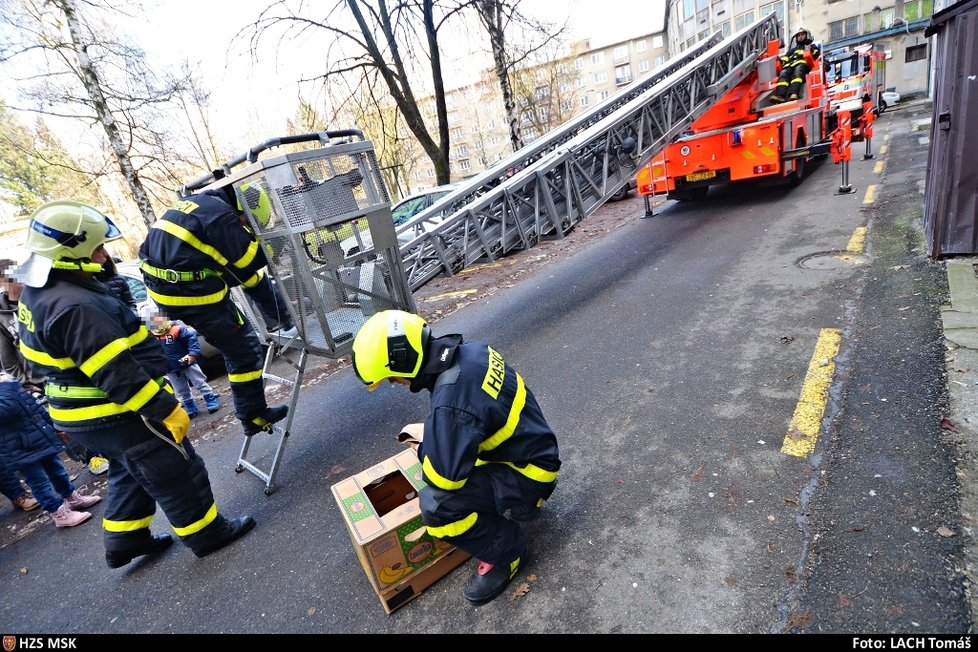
x=382, y=513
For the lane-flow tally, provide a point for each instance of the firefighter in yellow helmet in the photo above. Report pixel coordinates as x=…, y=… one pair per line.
x=106, y=389
x=795, y=66
x=488, y=456
x=193, y=254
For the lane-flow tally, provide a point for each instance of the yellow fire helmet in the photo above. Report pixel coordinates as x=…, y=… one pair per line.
x=63, y=234
x=390, y=344
x=259, y=205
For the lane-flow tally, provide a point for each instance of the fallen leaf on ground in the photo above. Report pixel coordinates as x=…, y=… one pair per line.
x=311, y=611
x=844, y=600
x=947, y=425
x=521, y=589
x=946, y=531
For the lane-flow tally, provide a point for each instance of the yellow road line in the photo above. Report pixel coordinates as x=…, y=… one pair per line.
x=879, y=167
x=807, y=421
x=449, y=295
x=883, y=148
x=870, y=194
x=857, y=243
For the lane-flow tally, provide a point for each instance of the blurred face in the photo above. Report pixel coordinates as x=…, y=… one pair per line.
x=100, y=255
x=802, y=36
x=10, y=286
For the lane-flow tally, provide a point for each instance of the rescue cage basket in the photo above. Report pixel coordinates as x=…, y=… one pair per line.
x=320, y=198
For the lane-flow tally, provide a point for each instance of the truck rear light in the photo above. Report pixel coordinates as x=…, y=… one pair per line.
x=764, y=169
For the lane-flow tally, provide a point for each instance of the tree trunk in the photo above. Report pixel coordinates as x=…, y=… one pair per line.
x=492, y=17
x=89, y=78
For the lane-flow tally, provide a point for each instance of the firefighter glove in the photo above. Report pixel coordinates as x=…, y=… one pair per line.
x=177, y=423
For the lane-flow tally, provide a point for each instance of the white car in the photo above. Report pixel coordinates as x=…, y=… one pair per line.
x=401, y=213
x=888, y=98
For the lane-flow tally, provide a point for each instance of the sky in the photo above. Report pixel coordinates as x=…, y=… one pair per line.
x=201, y=30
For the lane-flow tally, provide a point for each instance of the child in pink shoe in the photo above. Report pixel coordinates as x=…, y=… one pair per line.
x=30, y=444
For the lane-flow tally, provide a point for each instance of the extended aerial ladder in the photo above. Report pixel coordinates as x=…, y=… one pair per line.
x=568, y=173
x=320, y=196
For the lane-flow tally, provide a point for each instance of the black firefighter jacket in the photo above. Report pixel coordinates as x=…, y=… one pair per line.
x=101, y=363
x=197, y=250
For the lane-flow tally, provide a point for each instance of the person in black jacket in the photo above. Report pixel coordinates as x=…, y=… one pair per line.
x=487, y=454
x=106, y=388
x=191, y=257
x=794, y=66
x=114, y=281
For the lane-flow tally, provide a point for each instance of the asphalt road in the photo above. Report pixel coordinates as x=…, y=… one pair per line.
x=668, y=356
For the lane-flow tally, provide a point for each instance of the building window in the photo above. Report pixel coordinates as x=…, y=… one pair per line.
x=916, y=53
x=657, y=41
x=726, y=29
x=584, y=101
x=603, y=95
x=640, y=46
x=597, y=57
x=465, y=165
x=659, y=60
x=600, y=77
x=563, y=87
x=461, y=150
x=623, y=75
x=841, y=29
x=457, y=133
x=743, y=20
x=620, y=53
x=565, y=106
x=578, y=63
x=581, y=82
x=643, y=65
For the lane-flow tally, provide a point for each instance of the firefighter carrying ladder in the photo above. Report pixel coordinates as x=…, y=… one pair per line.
x=324, y=195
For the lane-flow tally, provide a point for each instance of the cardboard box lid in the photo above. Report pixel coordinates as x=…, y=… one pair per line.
x=362, y=519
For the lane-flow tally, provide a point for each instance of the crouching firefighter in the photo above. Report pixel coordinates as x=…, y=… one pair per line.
x=193, y=254
x=106, y=388
x=488, y=456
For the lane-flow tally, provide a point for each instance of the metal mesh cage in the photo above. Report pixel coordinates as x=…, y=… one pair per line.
x=330, y=242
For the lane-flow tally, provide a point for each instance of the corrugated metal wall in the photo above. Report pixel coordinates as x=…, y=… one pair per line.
x=951, y=201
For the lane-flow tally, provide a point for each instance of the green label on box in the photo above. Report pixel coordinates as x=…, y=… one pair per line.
x=415, y=476
x=358, y=507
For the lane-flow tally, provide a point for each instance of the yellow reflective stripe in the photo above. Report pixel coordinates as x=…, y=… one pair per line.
x=197, y=526
x=43, y=358
x=249, y=255
x=143, y=396
x=61, y=391
x=245, y=377
x=253, y=281
x=126, y=526
x=438, y=480
x=168, y=300
x=85, y=413
x=512, y=420
x=454, y=529
x=111, y=350
x=181, y=233
x=532, y=471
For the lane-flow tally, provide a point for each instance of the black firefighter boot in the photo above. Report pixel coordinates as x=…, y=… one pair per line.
x=489, y=581
x=221, y=533
x=153, y=545
x=264, y=421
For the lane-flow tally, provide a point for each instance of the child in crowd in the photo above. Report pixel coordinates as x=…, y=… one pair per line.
x=182, y=350
x=30, y=444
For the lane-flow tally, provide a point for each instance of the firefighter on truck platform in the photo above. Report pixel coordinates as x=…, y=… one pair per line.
x=193, y=254
x=106, y=389
x=796, y=62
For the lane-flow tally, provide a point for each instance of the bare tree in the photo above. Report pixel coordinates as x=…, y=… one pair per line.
x=499, y=17
x=380, y=43
x=88, y=74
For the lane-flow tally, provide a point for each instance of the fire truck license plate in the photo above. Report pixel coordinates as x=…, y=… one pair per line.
x=700, y=176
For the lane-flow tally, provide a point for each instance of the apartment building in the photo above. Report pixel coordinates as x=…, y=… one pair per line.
x=895, y=25
x=548, y=92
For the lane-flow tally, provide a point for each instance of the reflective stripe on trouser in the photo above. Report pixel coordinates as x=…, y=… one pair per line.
x=226, y=328
x=146, y=471
x=794, y=77
x=471, y=518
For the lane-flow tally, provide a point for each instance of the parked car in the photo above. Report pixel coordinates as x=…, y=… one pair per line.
x=145, y=306
x=887, y=99
x=403, y=211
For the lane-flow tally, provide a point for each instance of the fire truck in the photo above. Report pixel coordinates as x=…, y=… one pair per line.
x=744, y=136
x=855, y=78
